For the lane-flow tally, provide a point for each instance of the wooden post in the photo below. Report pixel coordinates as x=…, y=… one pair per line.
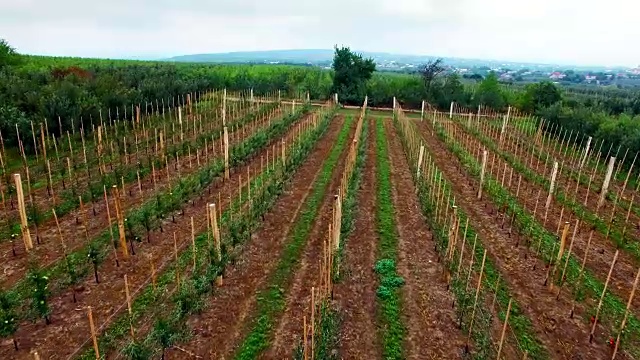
x=475, y=302
x=604, y=290
x=420, y=156
x=193, y=243
x=224, y=108
x=607, y=179
x=24, y=227
x=93, y=334
x=482, y=172
x=504, y=327
x=120, y=217
x=226, y=153
x=422, y=112
x=552, y=185
x=626, y=314
x=451, y=110
x=216, y=237
x=126, y=290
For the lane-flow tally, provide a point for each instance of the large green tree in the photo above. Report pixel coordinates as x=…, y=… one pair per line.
x=489, y=93
x=539, y=95
x=351, y=73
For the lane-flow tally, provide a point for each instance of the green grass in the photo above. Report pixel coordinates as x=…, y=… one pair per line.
x=272, y=301
x=389, y=296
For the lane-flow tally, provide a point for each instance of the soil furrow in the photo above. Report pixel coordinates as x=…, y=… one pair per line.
x=356, y=293
x=565, y=338
x=429, y=317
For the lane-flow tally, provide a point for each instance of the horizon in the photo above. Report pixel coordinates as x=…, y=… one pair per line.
x=567, y=32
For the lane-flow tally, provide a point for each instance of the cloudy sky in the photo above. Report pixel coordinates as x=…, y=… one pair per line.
x=584, y=32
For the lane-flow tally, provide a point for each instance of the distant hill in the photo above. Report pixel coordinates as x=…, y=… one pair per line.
x=324, y=57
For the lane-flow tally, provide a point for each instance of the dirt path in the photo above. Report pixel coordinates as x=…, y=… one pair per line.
x=219, y=328
x=289, y=328
x=69, y=328
x=432, y=331
x=565, y=338
x=356, y=293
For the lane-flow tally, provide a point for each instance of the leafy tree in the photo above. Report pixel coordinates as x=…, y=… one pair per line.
x=489, y=93
x=539, y=95
x=430, y=71
x=8, y=55
x=351, y=73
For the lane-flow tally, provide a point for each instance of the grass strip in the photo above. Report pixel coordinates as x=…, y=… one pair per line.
x=389, y=295
x=271, y=301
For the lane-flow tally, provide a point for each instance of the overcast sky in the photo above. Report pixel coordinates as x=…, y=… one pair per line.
x=578, y=32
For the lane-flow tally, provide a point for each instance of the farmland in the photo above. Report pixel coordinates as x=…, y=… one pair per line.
x=228, y=224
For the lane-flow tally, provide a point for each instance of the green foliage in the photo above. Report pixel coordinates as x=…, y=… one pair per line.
x=539, y=95
x=389, y=296
x=39, y=283
x=8, y=55
x=137, y=351
x=489, y=93
x=8, y=318
x=351, y=73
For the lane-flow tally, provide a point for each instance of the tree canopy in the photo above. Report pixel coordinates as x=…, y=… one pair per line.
x=351, y=73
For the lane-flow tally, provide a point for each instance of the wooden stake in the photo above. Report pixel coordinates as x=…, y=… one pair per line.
x=120, y=217
x=126, y=290
x=226, y=153
x=504, y=329
x=482, y=173
x=607, y=179
x=93, y=334
x=475, y=302
x=604, y=290
x=24, y=227
x=626, y=314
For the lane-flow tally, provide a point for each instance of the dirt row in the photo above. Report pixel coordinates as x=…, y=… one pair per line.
x=49, y=251
x=219, y=330
x=69, y=328
x=601, y=250
x=523, y=272
x=430, y=318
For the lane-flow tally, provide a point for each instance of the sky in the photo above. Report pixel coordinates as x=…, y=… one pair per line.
x=576, y=32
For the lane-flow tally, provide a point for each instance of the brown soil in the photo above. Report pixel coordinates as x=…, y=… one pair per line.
x=563, y=337
x=290, y=327
x=601, y=250
x=355, y=295
x=49, y=250
x=427, y=304
x=219, y=329
x=70, y=326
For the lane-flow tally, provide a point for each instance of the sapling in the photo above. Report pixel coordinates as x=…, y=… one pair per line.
x=8, y=318
x=73, y=276
x=165, y=333
x=39, y=282
x=95, y=257
x=136, y=350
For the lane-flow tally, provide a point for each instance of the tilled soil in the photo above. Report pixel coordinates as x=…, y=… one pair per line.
x=70, y=325
x=219, y=329
x=564, y=337
x=601, y=250
x=290, y=327
x=355, y=294
x=432, y=331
